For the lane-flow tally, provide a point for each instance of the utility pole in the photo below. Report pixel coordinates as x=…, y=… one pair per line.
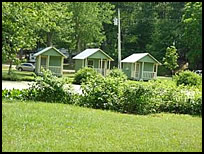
x=119, y=41
x=117, y=22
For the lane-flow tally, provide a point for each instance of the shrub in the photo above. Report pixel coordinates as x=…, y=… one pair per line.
x=46, y=88
x=168, y=97
x=141, y=97
x=113, y=94
x=103, y=93
x=117, y=73
x=188, y=78
x=14, y=94
x=50, y=88
x=85, y=74
x=136, y=99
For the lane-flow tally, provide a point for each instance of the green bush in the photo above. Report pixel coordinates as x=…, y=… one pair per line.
x=112, y=93
x=85, y=74
x=14, y=94
x=103, y=93
x=141, y=97
x=168, y=97
x=188, y=78
x=50, y=88
x=46, y=88
x=117, y=73
x=136, y=99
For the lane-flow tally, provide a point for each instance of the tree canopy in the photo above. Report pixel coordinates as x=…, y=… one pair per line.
x=145, y=27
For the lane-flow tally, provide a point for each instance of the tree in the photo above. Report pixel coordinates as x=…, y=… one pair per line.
x=166, y=28
x=88, y=19
x=53, y=20
x=171, y=57
x=192, y=33
x=17, y=20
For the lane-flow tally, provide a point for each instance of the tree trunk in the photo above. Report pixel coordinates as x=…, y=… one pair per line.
x=10, y=66
x=49, y=39
x=78, y=45
x=70, y=57
x=172, y=72
x=21, y=54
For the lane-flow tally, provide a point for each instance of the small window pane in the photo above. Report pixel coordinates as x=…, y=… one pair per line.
x=90, y=63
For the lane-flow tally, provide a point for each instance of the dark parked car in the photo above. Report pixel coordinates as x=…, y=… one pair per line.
x=26, y=67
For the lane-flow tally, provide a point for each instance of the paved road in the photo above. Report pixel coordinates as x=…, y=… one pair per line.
x=25, y=85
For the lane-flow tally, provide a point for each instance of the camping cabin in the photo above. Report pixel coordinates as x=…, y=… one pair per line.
x=140, y=66
x=49, y=58
x=94, y=58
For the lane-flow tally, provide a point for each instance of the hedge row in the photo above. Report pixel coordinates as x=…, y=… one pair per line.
x=114, y=93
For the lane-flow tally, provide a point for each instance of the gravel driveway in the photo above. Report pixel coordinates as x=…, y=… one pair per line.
x=25, y=84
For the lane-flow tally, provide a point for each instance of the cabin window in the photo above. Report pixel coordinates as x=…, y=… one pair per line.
x=90, y=63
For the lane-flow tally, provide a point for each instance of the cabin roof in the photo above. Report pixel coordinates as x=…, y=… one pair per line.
x=88, y=52
x=136, y=57
x=48, y=48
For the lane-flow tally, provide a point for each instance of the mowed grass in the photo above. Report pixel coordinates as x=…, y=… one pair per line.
x=26, y=75
x=18, y=75
x=38, y=126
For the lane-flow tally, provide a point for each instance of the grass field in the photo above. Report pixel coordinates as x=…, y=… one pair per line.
x=25, y=75
x=18, y=75
x=32, y=126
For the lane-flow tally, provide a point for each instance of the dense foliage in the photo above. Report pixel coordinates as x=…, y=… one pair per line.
x=168, y=97
x=85, y=74
x=142, y=98
x=46, y=88
x=50, y=88
x=145, y=27
x=114, y=94
x=117, y=73
x=170, y=59
x=104, y=93
x=188, y=78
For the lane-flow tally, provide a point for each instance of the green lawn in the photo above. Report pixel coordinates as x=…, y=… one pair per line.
x=18, y=75
x=26, y=75
x=32, y=126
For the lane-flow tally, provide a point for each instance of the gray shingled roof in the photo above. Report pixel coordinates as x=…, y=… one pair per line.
x=48, y=48
x=88, y=52
x=137, y=56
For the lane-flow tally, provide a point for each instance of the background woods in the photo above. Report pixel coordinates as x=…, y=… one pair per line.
x=145, y=27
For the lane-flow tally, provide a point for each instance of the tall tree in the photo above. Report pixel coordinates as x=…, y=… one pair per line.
x=88, y=19
x=170, y=59
x=167, y=26
x=17, y=20
x=192, y=20
x=53, y=19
